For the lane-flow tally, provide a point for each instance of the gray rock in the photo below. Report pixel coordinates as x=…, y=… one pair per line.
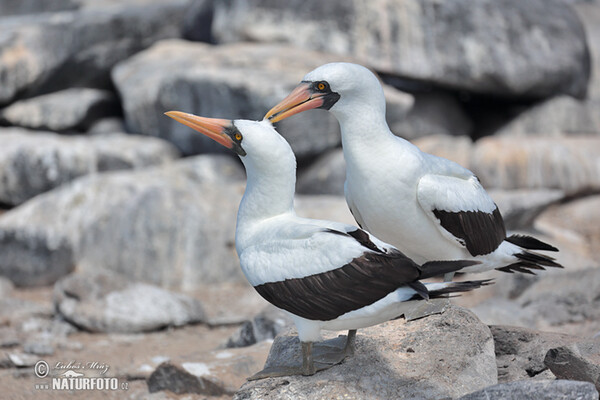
x=37, y=347
x=556, y=117
x=563, y=297
x=433, y=114
x=509, y=47
x=325, y=176
x=22, y=360
x=218, y=373
x=6, y=287
x=171, y=226
x=107, y=125
x=536, y=390
x=18, y=7
x=35, y=162
x=454, y=148
x=106, y=302
x=66, y=110
x=264, y=326
x=47, y=52
x=577, y=361
x=589, y=13
x=566, y=163
x=440, y=356
x=520, y=352
x=521, y=207
x=231, y=81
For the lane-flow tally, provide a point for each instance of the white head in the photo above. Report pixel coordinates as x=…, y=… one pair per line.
x=342, y=88
x=257, y=143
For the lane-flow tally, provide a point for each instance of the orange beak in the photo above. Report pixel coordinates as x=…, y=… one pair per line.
x=214, y=128
x=301, y=99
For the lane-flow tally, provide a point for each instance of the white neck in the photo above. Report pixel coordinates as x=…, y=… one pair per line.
x=269, y=193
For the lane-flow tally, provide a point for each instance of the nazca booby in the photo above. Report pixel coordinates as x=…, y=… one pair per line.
x=326, y=275
x=428, y=207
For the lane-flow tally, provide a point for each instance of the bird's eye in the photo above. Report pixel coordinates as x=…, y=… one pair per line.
x=321, y=86
x=238, y=136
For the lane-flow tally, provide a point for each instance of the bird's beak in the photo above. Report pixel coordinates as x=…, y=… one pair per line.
x=301, y=99
x=214, y=128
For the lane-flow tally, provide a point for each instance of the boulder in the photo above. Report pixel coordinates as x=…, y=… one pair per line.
x=52, y=51
x=440, y=356
x=324, y=176
x=559, y=116
x=19, y=7
x=566, y=163
x=511, y=48
x=576, y=361
x=66, y=110
x=217, y=373
x=101, y=301
x=454, y=148
x=433, y=114
x=521, y=207
x=241, y=80
x=265, y=325
x=172, y=226
x=520, y=352
x=537, y=390
x=35, y=162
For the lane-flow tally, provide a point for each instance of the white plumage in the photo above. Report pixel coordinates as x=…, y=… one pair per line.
x=428, y=207
x=327, y=275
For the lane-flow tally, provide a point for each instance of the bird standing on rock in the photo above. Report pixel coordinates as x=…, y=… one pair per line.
x=428, y=207
x=326, y=275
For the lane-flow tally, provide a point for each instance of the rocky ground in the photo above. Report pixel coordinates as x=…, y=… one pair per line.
x=117, y=224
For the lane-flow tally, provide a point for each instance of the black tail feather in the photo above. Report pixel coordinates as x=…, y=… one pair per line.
x=530, y=243
x=456, y=287
x=537, y=259
x=437, y=268
x=420, y=289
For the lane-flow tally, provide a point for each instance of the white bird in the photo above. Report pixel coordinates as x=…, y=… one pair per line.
x=429, y=207
x=326, y=275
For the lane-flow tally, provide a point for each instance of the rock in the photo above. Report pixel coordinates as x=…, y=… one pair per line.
x=39, y=347
x=589, y=13
x=6, y=287
x=433, y=114
x=567, y=163
x=454, y=148
x=18, y=7
x=520, y=352
x=231, y=81
x=556, y=117
x=325, y=176
x=106, y=302
x=563, y=297
x=172, y=226
x=510, y=48
x=440, y=356
x=48, y=52
x=538, y=390
x=577, y=361
x=35, y=162
x=578, y=220
x=15, y=311
x=107, y=125
x=71, y=109
x=266, y=325
x=22, y=360
x=218, y=373
x=521, y=207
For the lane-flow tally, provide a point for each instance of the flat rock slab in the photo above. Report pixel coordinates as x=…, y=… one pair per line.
x=73, y=109
x=242, y=80
x=535, y=48
x=172, y=226
x=439, y=356
x=34, y=162
x=536, y=390
x=51, y=51
x=216, y=373
x=106, y=302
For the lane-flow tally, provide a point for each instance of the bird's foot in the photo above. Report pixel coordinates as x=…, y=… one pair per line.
x=425, y=308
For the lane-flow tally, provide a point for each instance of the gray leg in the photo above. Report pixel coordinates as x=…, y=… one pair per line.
x=448, y=277
x=308, y=365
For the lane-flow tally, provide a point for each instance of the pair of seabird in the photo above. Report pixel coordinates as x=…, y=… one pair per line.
x=327, y=275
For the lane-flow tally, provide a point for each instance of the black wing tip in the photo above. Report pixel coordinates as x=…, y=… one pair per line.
x=528, y=262
x=438, y=268
x=458, y=287
x=530, y=243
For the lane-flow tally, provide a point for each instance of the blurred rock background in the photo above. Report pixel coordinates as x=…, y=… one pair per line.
x=117, y=223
